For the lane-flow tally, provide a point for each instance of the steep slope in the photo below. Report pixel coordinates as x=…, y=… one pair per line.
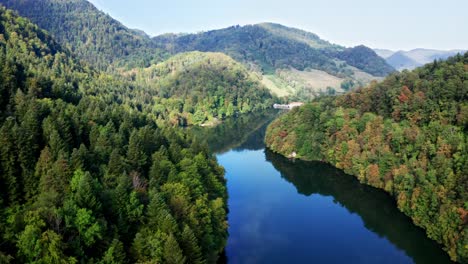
x=202, y=86
x=253, y=44
x=105, y=43
x=270, y=46
x=308, y=38
x=92, y=35
x=366, y=60
x=272, y=50
x=86, y=176
x=406, y=135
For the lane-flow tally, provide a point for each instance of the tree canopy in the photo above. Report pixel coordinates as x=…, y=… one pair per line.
x=86, y=172
x=406, y=135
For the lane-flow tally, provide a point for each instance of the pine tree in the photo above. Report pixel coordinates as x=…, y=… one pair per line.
x=189, y=245
x=115, y=254
x=172, y=252
x=84, y=190
x=10, y=183
x=136, y=157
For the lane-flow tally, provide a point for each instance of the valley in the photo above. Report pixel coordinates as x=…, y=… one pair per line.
x=251, y=143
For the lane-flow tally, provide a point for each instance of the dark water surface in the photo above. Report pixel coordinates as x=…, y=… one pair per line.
x=283, y=211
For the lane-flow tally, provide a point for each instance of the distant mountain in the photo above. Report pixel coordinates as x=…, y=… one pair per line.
x=401, y=60
x=92, y=35
x=288, y=59
x=271, y=46
x=384, y=53
x=365, y=59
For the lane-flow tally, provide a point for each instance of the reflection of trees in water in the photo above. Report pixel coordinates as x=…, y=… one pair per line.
x=243, y=132
x=377, y=210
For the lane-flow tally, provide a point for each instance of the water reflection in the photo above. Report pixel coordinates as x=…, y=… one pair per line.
x=245, y=132
x=376, y=208
x=282, y=211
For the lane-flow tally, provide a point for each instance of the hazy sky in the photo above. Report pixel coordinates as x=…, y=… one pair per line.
x=392, y=24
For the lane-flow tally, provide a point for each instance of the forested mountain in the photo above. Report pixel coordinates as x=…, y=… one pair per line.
x=195, y=87
x=364, y=59
x=406, y=135
x=273, y=49
x=90, y=34
x=293, y=62
x=86, y=174
x=409, y=60
x=272, y=46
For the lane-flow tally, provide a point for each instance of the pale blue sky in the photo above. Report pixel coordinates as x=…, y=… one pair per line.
x=392, y=24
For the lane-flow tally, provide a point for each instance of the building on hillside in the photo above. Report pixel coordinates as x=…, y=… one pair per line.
x=287, y=106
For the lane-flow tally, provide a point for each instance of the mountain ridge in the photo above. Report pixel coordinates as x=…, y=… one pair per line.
x=254, y=39
x=106, y=44
x=92, y=35
x=413, y=58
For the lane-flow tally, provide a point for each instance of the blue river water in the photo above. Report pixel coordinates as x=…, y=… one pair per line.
x=283, y=211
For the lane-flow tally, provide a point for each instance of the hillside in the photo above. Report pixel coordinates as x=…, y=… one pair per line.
x=406, y=135
x=268, y=48
x=272, y=46
x=86, y=174
x=402, y=61
x=90, y=34
x=253, y=44
x=365, y=59
x=409, y=60
x=197, y=86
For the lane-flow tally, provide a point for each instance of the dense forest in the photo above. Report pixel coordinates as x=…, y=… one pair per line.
x=94, y=167
x=293, y=63
x=86, y=174
x=196, y=87
x=98, y=39
x=406, y=135
x=364, y=59
x=269, y=50
x=90, y=34
x=272, y=46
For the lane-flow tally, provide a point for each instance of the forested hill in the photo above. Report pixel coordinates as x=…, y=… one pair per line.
x=92, y=35
x=86, y=175
x=365, y=59
x=272, y=46
x=291, y=62
x=198, y=86
x=406, y=135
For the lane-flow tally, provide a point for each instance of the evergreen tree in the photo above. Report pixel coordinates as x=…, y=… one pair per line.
x=172, y=252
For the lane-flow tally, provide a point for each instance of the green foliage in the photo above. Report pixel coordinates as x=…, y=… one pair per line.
x=115, y=254
x=86, y=173
x=406, y=135
x=272, y=46
x=195, y=87
x=365, y=59
x=92, y=35
x=172, y=252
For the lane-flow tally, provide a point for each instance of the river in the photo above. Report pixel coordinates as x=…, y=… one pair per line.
x=283, y=211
